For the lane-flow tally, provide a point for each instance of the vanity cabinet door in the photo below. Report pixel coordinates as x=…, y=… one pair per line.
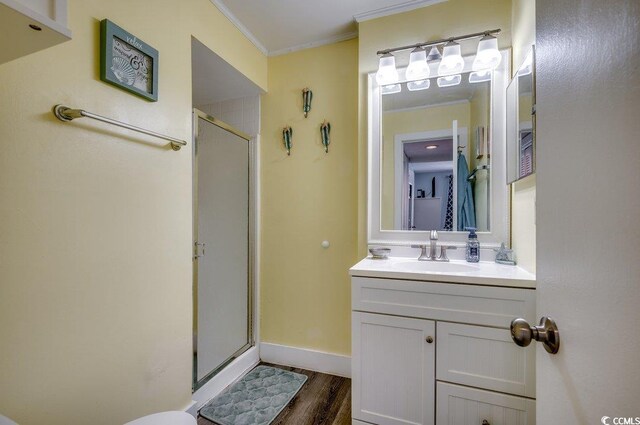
x=393, y=369
x=484, y=357
x=469, y=406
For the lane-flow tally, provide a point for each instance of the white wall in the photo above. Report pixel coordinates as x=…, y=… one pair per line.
x=243, y=114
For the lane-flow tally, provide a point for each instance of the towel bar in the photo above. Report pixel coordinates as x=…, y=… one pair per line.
x=66, y=114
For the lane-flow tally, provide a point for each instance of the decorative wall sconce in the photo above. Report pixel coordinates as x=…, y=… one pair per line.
x=307, y=96
x=325, y=129
x=287, y=136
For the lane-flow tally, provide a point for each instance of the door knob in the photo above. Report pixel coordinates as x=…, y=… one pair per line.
x=547, y=333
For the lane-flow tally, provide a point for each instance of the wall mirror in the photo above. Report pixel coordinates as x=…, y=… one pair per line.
x=521, y=134
x=437, y=157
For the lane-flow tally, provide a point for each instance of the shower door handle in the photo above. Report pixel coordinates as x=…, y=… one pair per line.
x=199, y=250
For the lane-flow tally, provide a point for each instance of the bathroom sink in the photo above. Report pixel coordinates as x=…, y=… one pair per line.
x=435, y=267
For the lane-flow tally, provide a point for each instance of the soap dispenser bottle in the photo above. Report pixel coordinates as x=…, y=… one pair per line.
x=473, y=246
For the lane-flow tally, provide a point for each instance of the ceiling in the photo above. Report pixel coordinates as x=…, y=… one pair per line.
x=282, y=26
x=214, y=80
x=418, y=152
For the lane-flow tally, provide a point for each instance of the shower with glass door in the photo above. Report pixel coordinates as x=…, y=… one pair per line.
x=223, y=172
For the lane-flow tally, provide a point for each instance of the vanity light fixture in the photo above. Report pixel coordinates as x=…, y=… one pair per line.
x=387, y=72
x=418, y=68
x=488, y=56
x=432, y=147
x=452, y=61
x=434, y=54
x=449, y=80
x=480, y=76
x=390, y=89
x=418, y=85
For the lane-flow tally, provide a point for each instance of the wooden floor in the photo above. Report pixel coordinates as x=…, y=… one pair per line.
x=323, y=400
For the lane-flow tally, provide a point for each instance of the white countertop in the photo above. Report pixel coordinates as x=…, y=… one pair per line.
x=482, y=273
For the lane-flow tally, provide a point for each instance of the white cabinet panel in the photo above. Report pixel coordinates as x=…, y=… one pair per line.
x=482, y=305
x=393, y=370
x=467, y=406
x=486, y=358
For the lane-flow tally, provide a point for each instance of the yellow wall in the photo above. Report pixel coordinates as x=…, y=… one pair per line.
x=95, y=236
x=309, y=197
x=523, y=192
x=451, y=18
x=412, y=121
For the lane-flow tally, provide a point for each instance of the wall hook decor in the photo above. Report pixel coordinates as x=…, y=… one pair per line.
x=325, y=130
x=307, y=96
x=287, y=136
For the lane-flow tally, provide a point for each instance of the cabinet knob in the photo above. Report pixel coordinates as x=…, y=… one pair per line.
x=485, y=422
x=429, y=339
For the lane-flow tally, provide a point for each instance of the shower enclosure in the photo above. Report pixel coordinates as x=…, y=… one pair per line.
x=223, y=171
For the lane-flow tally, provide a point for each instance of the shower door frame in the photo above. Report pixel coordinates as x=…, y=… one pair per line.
x=251, y=241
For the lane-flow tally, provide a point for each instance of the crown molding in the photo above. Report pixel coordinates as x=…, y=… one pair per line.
x=392, y=10
x=236, y=22
x=318, y=43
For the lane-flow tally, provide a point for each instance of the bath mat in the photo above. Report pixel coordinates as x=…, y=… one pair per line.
x=256, y=399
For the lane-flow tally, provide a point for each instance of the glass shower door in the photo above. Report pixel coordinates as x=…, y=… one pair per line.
x=222, y=251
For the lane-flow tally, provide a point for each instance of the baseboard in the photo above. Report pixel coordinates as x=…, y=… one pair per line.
x=318, y=361
x=226, y=377
x=192, y=409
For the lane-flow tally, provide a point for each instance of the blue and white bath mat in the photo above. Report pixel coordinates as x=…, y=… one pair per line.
x=256, y=399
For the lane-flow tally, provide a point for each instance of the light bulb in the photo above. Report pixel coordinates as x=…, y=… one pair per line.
x=452, y=61
x=390, y=89
x=480, y=76
x=488, y=56
x=448, y=81
x=418, y=85
x=418, y=68
x=387, y=72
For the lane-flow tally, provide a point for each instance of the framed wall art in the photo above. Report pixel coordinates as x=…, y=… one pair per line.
x=127, y=62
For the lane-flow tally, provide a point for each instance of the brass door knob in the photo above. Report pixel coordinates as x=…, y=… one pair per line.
x=547, y=333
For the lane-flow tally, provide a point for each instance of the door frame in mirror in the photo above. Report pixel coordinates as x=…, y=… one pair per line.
x=499, y=190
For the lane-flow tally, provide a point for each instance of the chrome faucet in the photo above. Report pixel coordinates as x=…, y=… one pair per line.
x=433, y=245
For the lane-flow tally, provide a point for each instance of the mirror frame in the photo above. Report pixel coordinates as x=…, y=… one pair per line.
x=499, y=190
x=513, y=121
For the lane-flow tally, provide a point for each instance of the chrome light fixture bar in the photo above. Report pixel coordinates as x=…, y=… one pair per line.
x=440, y=42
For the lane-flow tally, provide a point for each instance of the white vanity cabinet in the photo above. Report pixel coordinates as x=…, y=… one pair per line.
x=27, y=26
x=396, y=369
x=427, y=353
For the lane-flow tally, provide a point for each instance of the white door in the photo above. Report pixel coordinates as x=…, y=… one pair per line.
x=454, y=155
x=394, y=374
x=588, y=208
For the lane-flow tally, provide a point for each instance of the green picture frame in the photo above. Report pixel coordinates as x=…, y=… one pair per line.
x=127, y=62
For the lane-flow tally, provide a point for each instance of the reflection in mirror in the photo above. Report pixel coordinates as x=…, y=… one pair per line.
x=436, y=154
x=520, y=122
